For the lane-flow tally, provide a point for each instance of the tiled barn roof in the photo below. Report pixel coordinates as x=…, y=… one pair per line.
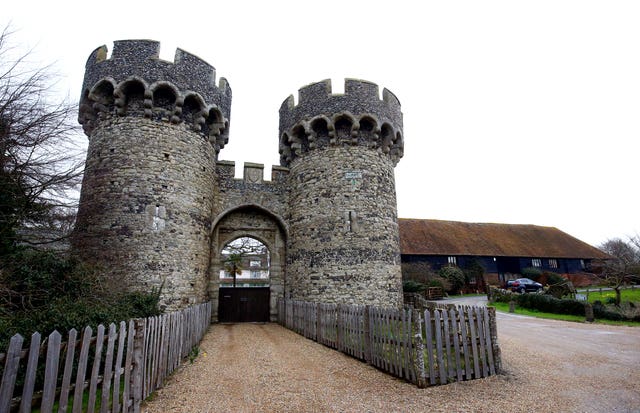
x=435, y=237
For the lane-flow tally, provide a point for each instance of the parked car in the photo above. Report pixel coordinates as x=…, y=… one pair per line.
x=523, y=285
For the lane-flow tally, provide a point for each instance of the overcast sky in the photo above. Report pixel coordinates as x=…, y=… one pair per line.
x=514, y=112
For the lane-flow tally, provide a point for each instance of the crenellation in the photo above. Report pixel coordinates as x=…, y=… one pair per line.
x=361, y=89
x=279, y=173
x=135, y=51
x=357, y=117
x=135, y=69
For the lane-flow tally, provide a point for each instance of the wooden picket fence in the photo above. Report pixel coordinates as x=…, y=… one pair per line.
x=437, y=346
x=125, y=364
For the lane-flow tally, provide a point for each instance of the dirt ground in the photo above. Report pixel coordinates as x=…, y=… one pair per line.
x=550, y=366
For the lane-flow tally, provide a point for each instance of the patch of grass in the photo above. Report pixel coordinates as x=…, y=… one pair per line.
x=626, y=295
x=504, y=308
x=193, y=354
x=85, y=399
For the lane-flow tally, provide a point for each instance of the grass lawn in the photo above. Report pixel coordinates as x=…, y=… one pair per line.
x=627, y=295
x=504, y=308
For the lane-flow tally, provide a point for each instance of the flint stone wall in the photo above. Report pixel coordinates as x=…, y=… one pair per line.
x=146, y=207
x=344, y=244
x=252, y=189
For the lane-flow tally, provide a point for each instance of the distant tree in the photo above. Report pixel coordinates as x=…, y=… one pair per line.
x=455, y=276
x=420, y=272
x=39, y=162
x=233, y=254
x=532, y=273
x=625, y=264
x=415, y=274
x=474, y=272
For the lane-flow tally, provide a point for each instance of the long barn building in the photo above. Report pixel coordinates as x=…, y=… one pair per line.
x=503, y=250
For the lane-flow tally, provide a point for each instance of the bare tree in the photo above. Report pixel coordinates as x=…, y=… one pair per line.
x=40, y=165
x=624, y=265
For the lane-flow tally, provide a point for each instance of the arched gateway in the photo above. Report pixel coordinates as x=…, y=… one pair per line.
x=241, y=302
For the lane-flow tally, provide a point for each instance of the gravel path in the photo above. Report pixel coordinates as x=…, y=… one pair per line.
x=550, y=366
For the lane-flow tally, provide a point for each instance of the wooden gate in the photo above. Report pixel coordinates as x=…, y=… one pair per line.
x=243, y=304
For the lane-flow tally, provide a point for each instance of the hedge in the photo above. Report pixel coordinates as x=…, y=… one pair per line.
x=549, y=304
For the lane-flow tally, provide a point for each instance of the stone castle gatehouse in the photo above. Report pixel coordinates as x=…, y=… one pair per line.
x=157, y=205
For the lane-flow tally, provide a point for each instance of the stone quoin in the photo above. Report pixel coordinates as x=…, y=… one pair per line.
x=157, y=205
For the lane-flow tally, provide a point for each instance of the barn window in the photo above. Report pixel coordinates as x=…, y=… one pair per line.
x=553, y=263
x=536, y=262
x=452, y=260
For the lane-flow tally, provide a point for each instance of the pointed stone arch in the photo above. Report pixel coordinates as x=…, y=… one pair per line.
x=254, y=221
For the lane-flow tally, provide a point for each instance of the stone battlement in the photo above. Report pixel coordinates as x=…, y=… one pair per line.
x=357, y=93
x=142, y=58
x=135, y=82
x=357, y=117
x=252, y=172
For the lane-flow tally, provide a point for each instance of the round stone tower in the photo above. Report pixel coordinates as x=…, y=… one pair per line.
x=155, y=129
x=341, y=151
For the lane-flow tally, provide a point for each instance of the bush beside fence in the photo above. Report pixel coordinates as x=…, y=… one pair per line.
x=437, y=346
x=549, y=304
x=116, y=368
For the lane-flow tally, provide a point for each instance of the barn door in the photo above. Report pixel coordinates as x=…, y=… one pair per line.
x=243, y=304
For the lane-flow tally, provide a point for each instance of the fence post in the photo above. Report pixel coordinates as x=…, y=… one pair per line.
x=367, y=335
x=418, y=348
x=339, y=324
x=493, y=330
x=512, y=306
x=319, y=336
x=138, y=365
x=10, y=372
x=588, y=310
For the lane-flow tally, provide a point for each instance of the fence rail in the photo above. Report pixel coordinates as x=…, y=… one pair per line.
x=440, y=345
x=113, y=370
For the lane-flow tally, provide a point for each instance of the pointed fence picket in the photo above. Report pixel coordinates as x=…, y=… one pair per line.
x=438, y=346
x=125, y=363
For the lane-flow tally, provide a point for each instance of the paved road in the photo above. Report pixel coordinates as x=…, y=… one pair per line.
x=550, y=366
x=606, y=359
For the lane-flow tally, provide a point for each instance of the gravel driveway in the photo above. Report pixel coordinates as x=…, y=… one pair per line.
x=550, y=366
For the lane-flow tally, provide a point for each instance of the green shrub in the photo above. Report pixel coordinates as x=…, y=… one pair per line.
x=45, y=291
x=473, y=271
x=602, y=311
x=549, y=304
x=436, y=283
x=411, y=286
x=454, y=276
x=610, y=300
x=532, y=273
x=553, y=278
x=501, y=296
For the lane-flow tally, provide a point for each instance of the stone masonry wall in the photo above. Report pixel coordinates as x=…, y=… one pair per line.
x=344, y=244
x=252, y=189
x=146, y=207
